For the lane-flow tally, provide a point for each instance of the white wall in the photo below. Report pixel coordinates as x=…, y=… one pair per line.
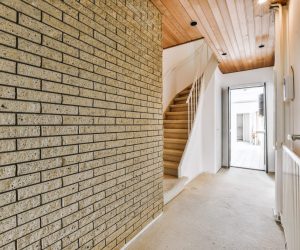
x=180, y=65
x=293, y=51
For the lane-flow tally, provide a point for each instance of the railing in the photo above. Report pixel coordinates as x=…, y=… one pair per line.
x=291, y=198
x=192, y=101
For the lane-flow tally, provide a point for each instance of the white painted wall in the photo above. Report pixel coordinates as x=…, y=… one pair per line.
x=180, y=65
x=293, y=57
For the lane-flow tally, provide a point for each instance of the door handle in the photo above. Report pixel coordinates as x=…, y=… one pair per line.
x=293, y=137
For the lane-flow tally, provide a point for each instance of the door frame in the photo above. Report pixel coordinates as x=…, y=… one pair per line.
x=246, y=86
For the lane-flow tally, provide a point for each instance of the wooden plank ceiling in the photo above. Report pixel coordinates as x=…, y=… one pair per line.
x=234, y=27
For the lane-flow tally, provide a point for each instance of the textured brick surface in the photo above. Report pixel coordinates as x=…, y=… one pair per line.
x=80, y=122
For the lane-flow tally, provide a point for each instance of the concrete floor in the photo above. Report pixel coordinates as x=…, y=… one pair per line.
x=229, y=210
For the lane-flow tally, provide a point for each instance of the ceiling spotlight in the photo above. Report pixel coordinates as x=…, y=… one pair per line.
x=261, y=46
x=261, y=1
x=193, y=23
x=224, y=54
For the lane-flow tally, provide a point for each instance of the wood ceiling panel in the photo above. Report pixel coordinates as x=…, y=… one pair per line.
x=236, y=27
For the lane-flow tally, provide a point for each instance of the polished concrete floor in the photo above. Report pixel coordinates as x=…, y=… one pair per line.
x=230, y=210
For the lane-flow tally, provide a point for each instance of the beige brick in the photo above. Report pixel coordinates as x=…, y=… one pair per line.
x=60, y=88
x=38, y=72
x=18, y=30
x=7, y=172
x=59, y=130
x=18, y=232
x=75, y=81
x=78, y=25
x=59, y=193
x=58, y=151
x=78, y=63
x=7, y=145
x=7, y=92
x=40, y=27
x=7, y=198
x=7, y=65
x=59, y=172
x=38, y=142
x=17, y=182
x=62, y=47
x=37, y=212
x=39, y=96
x=38, y=234
x=59, y=109
x=15, y=208
x=49, y=240
x=63, y=7
x=78, y=101
x=8, y=13
x=91, y=111
x=70, y=199
x=36, y=119
x=60, y=67
x=19, y=106
x=77, y=177
x=91, y=76
x=8, y=224
x=36, y=166
x=12, y=132
x=7, y=39
x=40, y=188
x=49, y=20
x=19, y=81
x=23, y=8
x=91, y=147
x=58, y=214
x=39, y=50
x=7, y=119
x=43, y=5
x=79, y=120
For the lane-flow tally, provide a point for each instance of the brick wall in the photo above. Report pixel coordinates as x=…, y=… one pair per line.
x=80, y=122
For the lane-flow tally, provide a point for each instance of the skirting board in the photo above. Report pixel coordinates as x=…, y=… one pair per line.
x=143, y=230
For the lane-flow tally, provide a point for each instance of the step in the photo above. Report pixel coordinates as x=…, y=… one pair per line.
x=178, y=144
x=179, y=107
x=176, y=125
x=181, y=98
x=175, y=135
x=171, y=171
x=176, y=131
x=173, y=152
x=177, y=141
x=180, y=115
x=171, y=164
x=173, y=187
x=185, y=92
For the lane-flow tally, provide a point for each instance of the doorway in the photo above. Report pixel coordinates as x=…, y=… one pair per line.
x=247, y=126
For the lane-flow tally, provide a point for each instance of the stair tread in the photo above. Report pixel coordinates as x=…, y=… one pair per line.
x=171, y=164
x=179, y=105
x=176, y=113
x=176, y=130
x=173, y=151
x=173, y=140
x=181, y=98
x=175, y=121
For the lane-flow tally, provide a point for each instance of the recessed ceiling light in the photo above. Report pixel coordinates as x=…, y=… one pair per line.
x=193, y=23
x=261, y=46
x=261, y=1
x=224, y=54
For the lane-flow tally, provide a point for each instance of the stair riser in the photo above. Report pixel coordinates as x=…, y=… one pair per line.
x=172, y=158
x=176, y=101
x=171, y=171
x=177, y=117
x=174, y=146
x=175, y=126
x=176, y=136
x=179, y=109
